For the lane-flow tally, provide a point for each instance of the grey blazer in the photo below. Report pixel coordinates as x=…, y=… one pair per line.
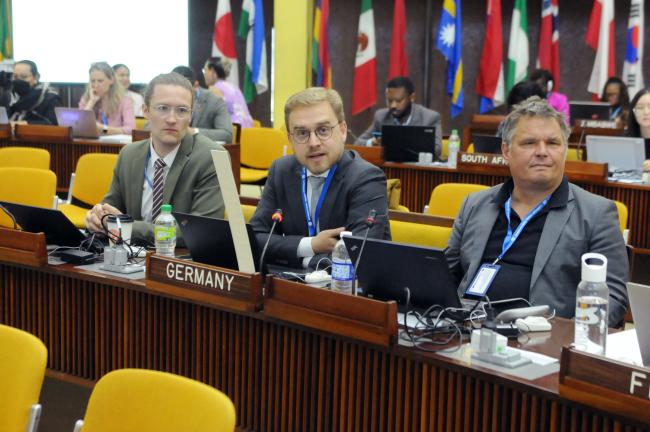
x=211, y=116
x=588, y=223
x=420, y=116
x=191, y=185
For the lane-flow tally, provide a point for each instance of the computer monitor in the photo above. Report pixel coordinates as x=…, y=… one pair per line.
x=405, y=143
x=487, y=143
x=585, y=110
x=621, y=153
x=82, y=122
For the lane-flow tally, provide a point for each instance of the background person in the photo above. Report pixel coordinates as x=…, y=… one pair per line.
x=615, y=92
x=638, y=124
x=30, y=101
x=215, y=76
x=123, y=76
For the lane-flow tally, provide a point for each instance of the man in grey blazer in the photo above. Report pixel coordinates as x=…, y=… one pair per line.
x=561, y=222
x=173, y=158
x=402, y=111
x=210, y=116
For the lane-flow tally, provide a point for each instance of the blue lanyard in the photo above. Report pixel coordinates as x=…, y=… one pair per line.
x=511, y=237
x=312, y=224
x=104, y=121
x=615, y=113
x=146, y=165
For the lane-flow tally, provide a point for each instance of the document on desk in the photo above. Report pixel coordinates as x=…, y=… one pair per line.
x=624, y=346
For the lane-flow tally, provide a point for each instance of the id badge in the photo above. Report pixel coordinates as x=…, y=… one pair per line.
x=482, y=281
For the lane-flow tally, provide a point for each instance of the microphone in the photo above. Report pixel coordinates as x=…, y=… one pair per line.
x=276, y=217
x=370, y=221
x=11, y=216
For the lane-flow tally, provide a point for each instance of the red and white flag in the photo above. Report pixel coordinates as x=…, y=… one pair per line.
x=600, y=37
x=223, y=40
x=490, y=81
x=364, y=95
x=549, y=41
x=399, y=62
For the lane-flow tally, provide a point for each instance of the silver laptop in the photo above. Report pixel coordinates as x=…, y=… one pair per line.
x=639, y=296
x=623, y=154
x=4, y=119
x=83, y=122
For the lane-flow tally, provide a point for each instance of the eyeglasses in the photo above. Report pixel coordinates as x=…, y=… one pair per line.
x=181, y=112
x=301, y=136
x=641, y=109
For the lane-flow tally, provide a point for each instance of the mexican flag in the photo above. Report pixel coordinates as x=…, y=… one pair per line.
x=364, y=94
x=518, y=47
x=251, y=27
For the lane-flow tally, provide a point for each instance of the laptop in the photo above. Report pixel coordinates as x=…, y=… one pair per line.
x=405, y=143
x=209, y=240
x=623, y=154
x=83, y=122
x=639, y=296
x=58, y=229
x=387, y=267
x=585, y=110
x=4, y=119
x=487, y=143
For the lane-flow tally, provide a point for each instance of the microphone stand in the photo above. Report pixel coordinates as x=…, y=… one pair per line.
x=277, y=218
x=370, y=221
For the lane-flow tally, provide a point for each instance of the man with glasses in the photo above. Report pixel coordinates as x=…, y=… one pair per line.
x=173, y=167
x=322, y=189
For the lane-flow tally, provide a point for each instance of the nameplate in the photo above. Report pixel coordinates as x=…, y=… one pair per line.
x=204, y=283
x=22, y=247
x=596, y=124
x=482, y=159
x=610, y=385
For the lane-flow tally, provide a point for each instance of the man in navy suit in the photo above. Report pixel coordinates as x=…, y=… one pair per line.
x=321, y=188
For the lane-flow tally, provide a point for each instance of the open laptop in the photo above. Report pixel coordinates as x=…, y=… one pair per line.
x=486, y=143
x=623, y=154
x=639, y=296
x=404, y=143
x=585, y=110
x=83, y=122
x=209, y=240
x=58, y=229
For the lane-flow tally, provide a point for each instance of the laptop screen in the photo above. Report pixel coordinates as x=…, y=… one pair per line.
x=589, y=111
x=405, y=143
x=621, y=153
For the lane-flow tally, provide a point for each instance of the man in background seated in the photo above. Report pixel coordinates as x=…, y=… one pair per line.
x=402, y=111
x=519, y=93
x=560, y=222
x=322, y=189
x=173, y=167
x=210, y=114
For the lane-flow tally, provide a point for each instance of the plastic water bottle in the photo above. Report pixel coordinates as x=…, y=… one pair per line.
x=165, y=231
x=454, y=148
x=342, y=269
x=592, y=301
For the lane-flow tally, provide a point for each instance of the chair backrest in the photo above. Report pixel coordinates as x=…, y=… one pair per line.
x=622, y=214
x=23, y=358
x=26, y=157
x=247, y=210
x=394, y=193
x=261, y=146
x=147, y=401
x=420, y=234
x=31, y=186
x=447, y=198
x=93, y=177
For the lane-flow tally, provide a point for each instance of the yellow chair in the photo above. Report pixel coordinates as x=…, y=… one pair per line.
x=622, y=214
x=420, y=234
x=147, y=401
x=257, y=123
x=447, y=198
x=470, y=148
x=141, y=123
x=574, y=154
x=26, y=157
x=30, y=186
x=259, y=148
x=248, y=211
x=23, y=358
x=88, y=185
x=444, y=150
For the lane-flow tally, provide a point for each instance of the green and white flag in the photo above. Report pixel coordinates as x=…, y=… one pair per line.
x=251, y=27
x=518, y=46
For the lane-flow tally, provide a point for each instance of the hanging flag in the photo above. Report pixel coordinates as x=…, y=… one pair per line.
x=518, y=46
x=399, y=62
x=251, y=27
x=549, y=41
x=632, y=70
x=365, y=64
x=600, y=37
x=450, y=44
x=7, y=48
x=223, y=40
x=489, y=84
x=320, y=59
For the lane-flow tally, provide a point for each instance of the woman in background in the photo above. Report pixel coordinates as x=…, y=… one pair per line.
x=123, y=76
x=615, y=92
x=638, y=124
x=30, y=101
x=215, y=75
x=113, y=110
x=558, y=101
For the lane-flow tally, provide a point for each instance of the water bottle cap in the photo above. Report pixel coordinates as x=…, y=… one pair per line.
x=166, y=208
x=454, y=131
x=346, y=234
x=594, y=267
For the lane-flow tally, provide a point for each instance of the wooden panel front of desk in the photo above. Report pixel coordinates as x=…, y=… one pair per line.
x=280, y=377
x=418, y=182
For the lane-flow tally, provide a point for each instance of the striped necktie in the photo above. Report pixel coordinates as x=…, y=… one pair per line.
x=316, y=188
x=158, y=187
